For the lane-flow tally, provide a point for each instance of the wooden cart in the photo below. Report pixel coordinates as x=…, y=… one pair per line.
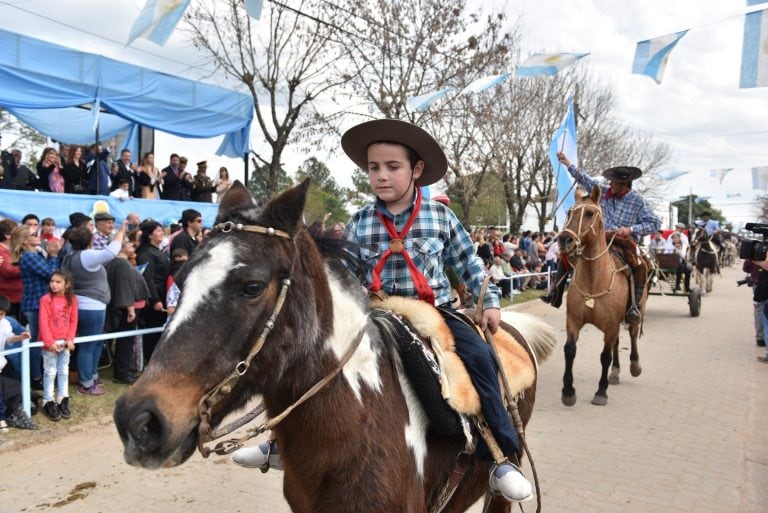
x=662, y=281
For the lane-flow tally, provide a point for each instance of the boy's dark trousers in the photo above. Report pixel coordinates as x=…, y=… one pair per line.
x=483, y=371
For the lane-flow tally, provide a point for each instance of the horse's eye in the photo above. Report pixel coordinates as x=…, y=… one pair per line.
x=253, y=289
x=590, y=213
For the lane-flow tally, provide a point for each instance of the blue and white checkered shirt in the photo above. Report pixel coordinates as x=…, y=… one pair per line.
x=436, y=239
x=631, y=210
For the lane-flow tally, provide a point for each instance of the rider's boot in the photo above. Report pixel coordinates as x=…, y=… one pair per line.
x=265, y=455
x=555, y=295
x=633, y=314
x=507, y=480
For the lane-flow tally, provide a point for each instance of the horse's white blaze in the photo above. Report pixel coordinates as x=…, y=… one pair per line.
x=203, y=280
x=349, y=318
x=416, y=428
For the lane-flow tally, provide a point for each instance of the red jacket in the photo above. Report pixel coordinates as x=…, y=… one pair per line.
x=10, y=277
x=58, y=320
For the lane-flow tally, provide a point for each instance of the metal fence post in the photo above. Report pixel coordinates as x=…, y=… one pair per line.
x=26, y=398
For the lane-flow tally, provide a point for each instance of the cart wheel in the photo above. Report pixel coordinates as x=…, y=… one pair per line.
x=694, y=302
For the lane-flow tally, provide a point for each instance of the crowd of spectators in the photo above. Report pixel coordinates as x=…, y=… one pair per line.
x=121, y=276
x=97, y=170
x=516, y=262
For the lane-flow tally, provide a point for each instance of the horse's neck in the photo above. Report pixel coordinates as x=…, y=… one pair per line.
x=598, y=271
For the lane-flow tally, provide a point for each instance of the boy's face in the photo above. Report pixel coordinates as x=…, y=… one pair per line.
x=2, y=315
x=390, y=173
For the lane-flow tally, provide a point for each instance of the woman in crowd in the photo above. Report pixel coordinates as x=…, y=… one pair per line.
x=10, y=275
x=74, y=171
x=222, y=183
x=49, y=174
x=156, y=275
x=36, y=269
x=149, y=177
x=92, y=290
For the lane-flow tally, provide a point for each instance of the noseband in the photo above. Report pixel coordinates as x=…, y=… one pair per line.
x=577, y=235
x=225, y=386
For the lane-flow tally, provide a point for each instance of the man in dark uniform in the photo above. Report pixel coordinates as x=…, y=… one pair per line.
x=202, y=185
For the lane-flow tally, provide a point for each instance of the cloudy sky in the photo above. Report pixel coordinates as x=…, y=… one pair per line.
x=698, y=109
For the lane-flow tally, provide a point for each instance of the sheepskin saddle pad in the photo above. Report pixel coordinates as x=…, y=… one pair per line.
x=435, y=370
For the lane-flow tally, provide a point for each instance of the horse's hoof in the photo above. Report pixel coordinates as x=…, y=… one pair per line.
x=600, y=400
x=569, y=400
x=635, y=369
x=614, y=379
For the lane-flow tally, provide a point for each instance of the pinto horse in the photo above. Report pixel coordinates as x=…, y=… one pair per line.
x=704, y=255
x=266, y=297
x=598, y=294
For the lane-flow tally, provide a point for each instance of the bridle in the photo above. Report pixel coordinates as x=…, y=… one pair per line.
x=577, y=235
x=204, y=432
x=589, y=297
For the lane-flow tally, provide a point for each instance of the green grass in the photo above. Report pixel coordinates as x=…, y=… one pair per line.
x=527, y=295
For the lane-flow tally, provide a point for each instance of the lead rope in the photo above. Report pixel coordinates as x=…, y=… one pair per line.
x=511, y=404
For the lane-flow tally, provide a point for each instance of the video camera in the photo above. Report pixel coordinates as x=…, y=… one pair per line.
x=752, y=249
x=746, y=281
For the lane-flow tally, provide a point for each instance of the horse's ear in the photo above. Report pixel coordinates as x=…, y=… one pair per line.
x=285, y=211
x=595, y=194
x=578, y=194
x=237, y=196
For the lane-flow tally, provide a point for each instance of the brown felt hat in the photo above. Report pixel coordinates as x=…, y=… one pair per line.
x=622, y=174
x=357, y=139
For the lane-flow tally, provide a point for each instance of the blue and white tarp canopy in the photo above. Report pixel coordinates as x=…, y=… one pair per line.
x=36, y=76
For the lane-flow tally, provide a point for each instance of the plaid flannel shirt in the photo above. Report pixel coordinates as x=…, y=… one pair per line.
x=436, y=239
x=36, y=272
x=631, y=210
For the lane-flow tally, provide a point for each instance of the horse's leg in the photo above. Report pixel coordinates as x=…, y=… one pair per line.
x=710, y=275
x=634, y=358
x=609, y=342
x=613, y=377
x=569, y=393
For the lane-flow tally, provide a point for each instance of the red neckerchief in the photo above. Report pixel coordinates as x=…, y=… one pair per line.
x=397, y=246
x=610, y=194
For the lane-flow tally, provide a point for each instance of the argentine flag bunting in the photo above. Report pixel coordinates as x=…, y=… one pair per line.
x=720, y=173
x=253, y=8
x=756, y=2
x=651, y=55
x=672, y=175
x=481, y=84
x=754, y=53
x=157, y=20
x=422, y=102
x=547, y=63
x=760, y=178
x=564, y=140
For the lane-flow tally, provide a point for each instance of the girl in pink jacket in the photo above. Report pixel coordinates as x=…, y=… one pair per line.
x=58, y=325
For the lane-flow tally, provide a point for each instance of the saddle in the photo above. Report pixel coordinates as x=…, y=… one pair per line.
x=447, y=383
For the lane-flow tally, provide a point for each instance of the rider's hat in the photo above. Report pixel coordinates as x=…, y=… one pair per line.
x=680, y=225
x=622, y=174
x=357, y=139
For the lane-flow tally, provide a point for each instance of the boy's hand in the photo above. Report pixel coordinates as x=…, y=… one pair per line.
x=23, y=335
x=491, y=319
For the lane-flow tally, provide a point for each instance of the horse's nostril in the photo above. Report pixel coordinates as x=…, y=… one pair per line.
x=146, y=429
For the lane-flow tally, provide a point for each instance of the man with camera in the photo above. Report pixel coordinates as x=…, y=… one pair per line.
x=754, y=253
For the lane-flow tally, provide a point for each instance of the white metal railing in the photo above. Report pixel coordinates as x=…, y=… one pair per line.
x=26, y=345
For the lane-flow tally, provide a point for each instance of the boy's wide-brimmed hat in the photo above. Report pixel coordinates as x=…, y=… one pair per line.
x=622, y=174
x=357, y=139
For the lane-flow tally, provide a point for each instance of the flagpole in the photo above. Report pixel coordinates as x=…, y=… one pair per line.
x=690, y=206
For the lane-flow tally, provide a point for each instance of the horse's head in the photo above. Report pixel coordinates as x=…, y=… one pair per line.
x=584, y=224
x=258, y=280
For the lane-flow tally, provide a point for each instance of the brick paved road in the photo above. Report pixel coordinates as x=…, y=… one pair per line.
x=689, y=435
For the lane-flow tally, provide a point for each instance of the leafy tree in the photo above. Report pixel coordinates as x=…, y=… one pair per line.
x=697, y=205
x=320, y=175
x=259, y=182
x=22, y=137
x=320, y=202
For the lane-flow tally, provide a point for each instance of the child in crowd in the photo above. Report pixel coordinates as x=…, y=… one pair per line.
x=123, y=191
x=6, y=336
x=178, y=257
x=58, y=321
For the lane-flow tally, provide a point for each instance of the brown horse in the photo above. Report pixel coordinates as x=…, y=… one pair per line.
x=264, y=296
x=704, y=256
x=598, y=294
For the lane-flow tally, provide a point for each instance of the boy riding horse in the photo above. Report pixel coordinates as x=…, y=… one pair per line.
x=624, y=212
x=405, y=243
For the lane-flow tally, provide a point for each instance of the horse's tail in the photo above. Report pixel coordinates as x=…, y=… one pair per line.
x=541, y=337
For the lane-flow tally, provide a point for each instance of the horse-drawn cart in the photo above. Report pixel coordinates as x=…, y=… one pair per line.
x=663, y=271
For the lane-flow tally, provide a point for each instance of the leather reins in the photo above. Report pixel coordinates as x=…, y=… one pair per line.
x=225, y=386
